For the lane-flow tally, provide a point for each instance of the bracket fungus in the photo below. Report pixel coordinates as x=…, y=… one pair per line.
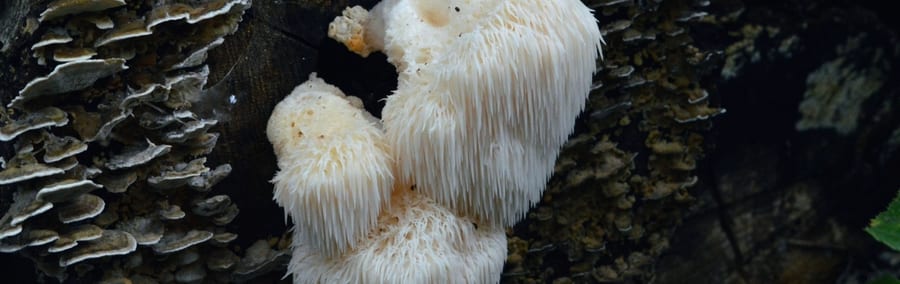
x=484, y=105
x=42, y=118
x=111, y=242
x=122, y=106
x=67, y=189
x=61, y=8
x=25, y=167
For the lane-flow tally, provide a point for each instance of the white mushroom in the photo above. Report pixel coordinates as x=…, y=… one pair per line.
x=488, y=93
x=335, y=167
x=416, y=241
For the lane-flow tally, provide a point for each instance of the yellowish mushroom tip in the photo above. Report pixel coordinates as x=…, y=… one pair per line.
x=335, y=168
x=350, y=29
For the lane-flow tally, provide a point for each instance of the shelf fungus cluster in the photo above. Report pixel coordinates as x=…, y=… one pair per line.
x=488, y=92
x=108, y=159
x=621, y=183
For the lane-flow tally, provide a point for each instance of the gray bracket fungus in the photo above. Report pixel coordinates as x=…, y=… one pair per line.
x=58, y=148
x=207, y=180
x=24, y=206
x=66, y=190
x=28, y=238
x=102, y=22
x=224, y=238
x=171, y=212
x=83, y=207
x=9, y=230
x=123, y=31
x=178, y=174
x=150, y=93
x=219, y=206
x=212, y=206
x=197, y=57
x=73, y=54
x=67, y=77
x=43, y=118
x=190, y=129
x=106, y=84
x=70, y=239
x=85, y=232
x=605, y=214
x=53, y=36
x=153, y=121
x=66, y=164
x=186, y=87
x=24, y=167
x=177, y=241
x=137, y=155
x=97, y=127
x=117, y=183
x=62, y=244
x=203, y=145
x=169, y=10
x=227, y=216
x=147, y=231
x=260, y=259
x=34, y=208
x=61, y=8
x=112, y=242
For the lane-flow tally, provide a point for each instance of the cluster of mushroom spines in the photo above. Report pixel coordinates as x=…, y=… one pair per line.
x=418, y=241
x=335, y=167
x=487, y=93
x=479, y=142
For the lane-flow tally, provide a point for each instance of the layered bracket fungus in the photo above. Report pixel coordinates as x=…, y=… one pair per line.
x=487, y=94
x=108, y=172
x=625, y=181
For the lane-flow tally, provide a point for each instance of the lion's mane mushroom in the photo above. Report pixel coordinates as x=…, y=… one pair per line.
x=353, y=223
x=416, y=241
x=335, y=166
x=488, y=93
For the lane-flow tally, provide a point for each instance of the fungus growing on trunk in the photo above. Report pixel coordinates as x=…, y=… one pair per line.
x=488, y=92
x=416, y=241
x=335, y=166
x=331, y=181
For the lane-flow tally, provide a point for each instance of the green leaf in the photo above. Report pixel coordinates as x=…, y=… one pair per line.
x=886, y=226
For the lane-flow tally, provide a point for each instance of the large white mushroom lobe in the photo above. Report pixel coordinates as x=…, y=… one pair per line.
x=488, y=93
x=335, y=168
